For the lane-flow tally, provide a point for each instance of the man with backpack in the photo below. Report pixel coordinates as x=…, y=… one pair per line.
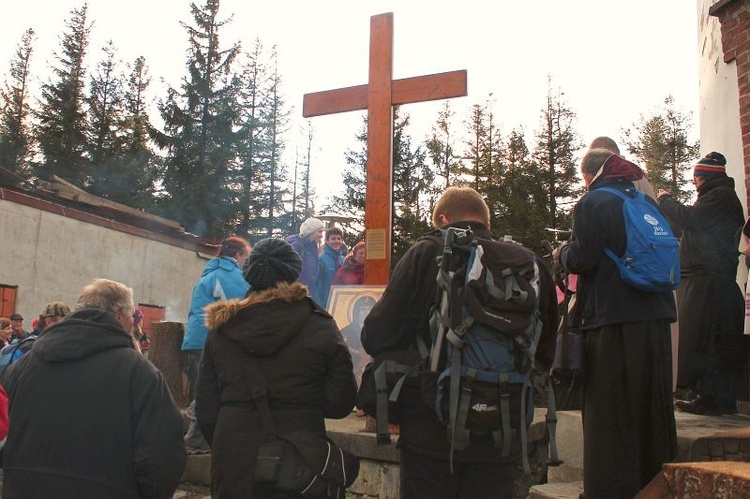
x=628, y=420
x=432, y=465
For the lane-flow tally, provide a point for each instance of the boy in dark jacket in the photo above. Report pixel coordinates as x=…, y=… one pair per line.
x=398, y=318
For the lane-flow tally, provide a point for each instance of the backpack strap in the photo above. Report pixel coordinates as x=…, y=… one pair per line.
x=260, y=396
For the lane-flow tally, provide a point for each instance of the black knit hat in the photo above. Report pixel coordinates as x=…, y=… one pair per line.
x=272, y=261
x=713, y=165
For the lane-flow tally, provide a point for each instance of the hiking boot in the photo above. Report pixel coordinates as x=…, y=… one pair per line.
x=703, y=405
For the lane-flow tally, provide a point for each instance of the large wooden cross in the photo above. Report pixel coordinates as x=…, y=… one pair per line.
x=378, y=97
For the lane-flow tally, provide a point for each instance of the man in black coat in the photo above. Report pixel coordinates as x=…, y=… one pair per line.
x=628, y=420
x=89, y=416
x=712, y=349
x=394, y=324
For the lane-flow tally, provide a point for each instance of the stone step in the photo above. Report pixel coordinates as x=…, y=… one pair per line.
x=571, y=490
x=691, y=428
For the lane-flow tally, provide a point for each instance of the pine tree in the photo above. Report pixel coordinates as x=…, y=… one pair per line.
x=136, y=166
x=557, y=142
x=253, y=172
x=661, y=144
x=276, y=116
x=522, y=211
x=106, y=106
x=484, y=155
x=411, y=178
x=200, y=136
x=62, y=116
x=440, y=147
x=303, y=205
x=16, y=141
x=351, y=202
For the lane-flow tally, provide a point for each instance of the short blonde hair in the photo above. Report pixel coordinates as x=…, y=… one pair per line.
x=106, y=295
x=461, y=204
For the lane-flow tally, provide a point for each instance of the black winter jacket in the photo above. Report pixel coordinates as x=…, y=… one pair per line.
x=90, y=417
x=710, y=228
x=307, y=370
x=598, y=223
x=403, y=313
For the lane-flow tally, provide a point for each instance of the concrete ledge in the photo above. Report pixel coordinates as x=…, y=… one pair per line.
x=380, y=466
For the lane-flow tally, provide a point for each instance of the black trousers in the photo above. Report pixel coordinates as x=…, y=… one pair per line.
x=628, y=418
x=427, y=477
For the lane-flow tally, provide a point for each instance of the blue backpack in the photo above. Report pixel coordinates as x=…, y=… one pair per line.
x=12, y=352
x=485, y=329
x=651, y=261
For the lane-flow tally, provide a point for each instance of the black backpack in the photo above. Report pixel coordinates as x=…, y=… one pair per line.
x=486, y=325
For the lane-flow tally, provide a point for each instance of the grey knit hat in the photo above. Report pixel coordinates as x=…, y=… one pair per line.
x=272, y=261
x=309, y=226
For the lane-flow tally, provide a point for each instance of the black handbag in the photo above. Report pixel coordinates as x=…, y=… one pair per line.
x=301, y=462
x=566, y=375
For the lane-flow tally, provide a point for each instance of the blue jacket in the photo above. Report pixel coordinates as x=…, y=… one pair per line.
x=221, y=280
x=308, y=252
x=330, y=262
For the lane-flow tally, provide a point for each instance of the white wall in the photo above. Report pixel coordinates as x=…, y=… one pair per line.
x=719, y=99
x=50, y=257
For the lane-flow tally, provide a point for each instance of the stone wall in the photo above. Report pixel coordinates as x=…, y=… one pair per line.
x=50, y=256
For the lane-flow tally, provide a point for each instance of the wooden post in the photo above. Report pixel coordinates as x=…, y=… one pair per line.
x=165, y=352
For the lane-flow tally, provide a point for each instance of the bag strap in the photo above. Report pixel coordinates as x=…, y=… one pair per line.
x=260, y=396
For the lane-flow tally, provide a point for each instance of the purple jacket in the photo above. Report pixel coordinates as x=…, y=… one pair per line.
x=308, y=252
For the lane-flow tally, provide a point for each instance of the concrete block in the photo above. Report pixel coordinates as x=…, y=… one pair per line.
x=556, y=491
x=198, y=470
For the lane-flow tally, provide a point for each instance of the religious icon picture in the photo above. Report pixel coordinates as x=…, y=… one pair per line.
x=349, y=305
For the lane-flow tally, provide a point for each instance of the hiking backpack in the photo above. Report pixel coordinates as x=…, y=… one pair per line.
x=479, y=375
x=651, y=261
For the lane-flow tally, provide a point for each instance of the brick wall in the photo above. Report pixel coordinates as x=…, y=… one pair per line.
x=734, y=16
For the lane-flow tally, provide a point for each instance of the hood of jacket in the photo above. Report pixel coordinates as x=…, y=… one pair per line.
x=83, y=333
x=616, y=168
x=220, y=262
x=265, y=321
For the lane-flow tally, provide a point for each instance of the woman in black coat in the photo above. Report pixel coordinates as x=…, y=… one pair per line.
x=300, y=351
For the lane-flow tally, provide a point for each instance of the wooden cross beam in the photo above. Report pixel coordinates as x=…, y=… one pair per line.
x=378, y=97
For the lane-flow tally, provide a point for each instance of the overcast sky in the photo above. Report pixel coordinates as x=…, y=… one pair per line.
x=613, y=60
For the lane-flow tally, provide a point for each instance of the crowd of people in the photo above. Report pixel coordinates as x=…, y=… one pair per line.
x=90, y=416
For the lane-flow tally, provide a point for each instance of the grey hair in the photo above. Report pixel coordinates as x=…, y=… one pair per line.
x=106, y=295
